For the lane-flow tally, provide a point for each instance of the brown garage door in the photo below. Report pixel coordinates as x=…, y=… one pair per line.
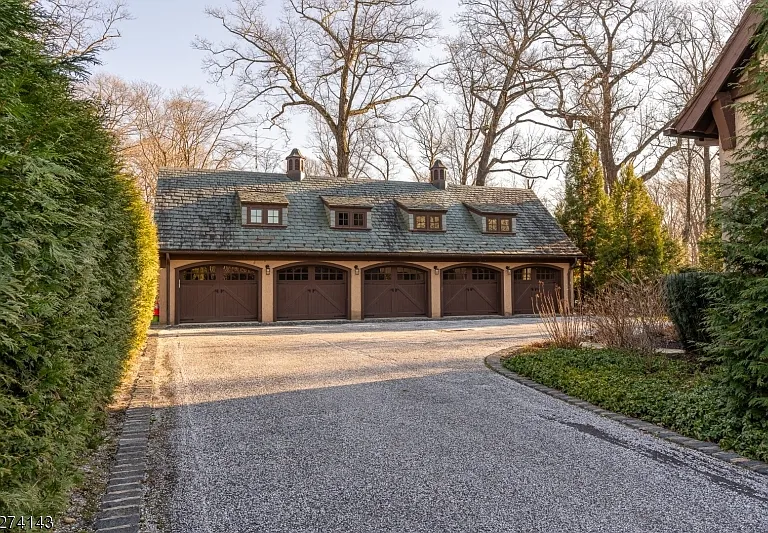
x=391, y=291
x=530, y=281
x=311, y=293
x=218, y=293
x=471, y=291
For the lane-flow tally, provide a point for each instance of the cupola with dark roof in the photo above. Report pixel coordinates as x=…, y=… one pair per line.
x=438, y=174
x=295, y=169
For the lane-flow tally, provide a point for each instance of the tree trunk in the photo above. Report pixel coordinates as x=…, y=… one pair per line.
x=707, y=184
x=342, y=153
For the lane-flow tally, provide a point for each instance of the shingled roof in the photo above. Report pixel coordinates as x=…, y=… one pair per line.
x=199, y=210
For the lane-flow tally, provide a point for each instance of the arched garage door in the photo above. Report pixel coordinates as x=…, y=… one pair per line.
x=394, y=291
x=471, y=291
x=311, y=292
x=218, y=293
x=530, y=281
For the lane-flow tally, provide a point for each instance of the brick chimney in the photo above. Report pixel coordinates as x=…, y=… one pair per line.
x=295, y=165
x=438, y=174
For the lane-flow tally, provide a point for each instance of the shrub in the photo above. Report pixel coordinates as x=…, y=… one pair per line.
x=685, y=295
x=629, y=314
x=564, y=325
x=78, y=263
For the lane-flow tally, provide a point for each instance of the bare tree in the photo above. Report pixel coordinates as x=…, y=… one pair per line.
x=420, y=139
x=704, y=29
x=608, y=51
x=339, y=59
x=181, y=129
x=502, y=56
x=82, y=27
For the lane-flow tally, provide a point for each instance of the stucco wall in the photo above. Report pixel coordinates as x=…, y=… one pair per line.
x=728, y=157
x=267, y=283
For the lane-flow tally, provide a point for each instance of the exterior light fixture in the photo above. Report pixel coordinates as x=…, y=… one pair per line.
x=357, y=270
x=437, y=270
x=509, y=270
x=269, y=270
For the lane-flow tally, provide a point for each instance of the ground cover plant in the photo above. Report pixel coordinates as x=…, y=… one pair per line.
x=675, y=393
x=78, y=263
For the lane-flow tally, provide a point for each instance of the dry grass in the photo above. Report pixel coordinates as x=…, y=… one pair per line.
x=629, y=314
x=565, y=325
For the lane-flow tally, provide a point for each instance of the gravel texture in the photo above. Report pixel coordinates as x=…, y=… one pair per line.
x=400, y=427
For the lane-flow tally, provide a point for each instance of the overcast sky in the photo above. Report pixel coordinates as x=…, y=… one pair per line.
x=156, y=46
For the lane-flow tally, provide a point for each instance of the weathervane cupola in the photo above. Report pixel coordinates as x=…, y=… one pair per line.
x=295, y=169
x=438, y=174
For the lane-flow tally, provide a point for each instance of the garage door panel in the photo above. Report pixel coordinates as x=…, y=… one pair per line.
x=218, y=293
x=532, y=281
x=471, y=291
x=395, y=291
x=311, y=293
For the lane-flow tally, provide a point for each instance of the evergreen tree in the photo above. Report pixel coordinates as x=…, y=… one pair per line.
x=738, y=323
x=631, y=242
x=583, y=208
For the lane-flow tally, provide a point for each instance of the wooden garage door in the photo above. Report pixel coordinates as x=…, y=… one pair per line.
x=530, y=281
x=471, y=291
x=218, y=293
x=311, y=293
x=391, y=291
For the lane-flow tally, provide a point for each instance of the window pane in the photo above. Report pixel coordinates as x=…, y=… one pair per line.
x=255, y=215
x=493, y=224
x=506, y=224
x=434, y=221
x=342, y=219
x=358, y=219
x=273, y=216
x=421, y=222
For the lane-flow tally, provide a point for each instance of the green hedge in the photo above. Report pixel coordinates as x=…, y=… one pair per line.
x=687, y=300
x=78, y=267
x=676, y=394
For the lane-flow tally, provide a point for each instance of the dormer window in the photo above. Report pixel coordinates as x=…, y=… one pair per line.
x=351, y=219
x=427, y=222
x=499, y=224
x=264, y=215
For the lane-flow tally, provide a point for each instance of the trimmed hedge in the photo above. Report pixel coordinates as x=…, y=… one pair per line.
x=687, y=300
x=78, y=267
x=676, y=394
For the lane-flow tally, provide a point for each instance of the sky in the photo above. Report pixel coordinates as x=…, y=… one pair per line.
x=156, y=46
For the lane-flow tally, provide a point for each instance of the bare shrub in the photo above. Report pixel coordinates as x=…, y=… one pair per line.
x=565, y=325
x=629, y=314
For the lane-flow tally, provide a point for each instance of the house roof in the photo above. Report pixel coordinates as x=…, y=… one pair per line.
x=347, y=201
x=491, y=208
x=255, y=196
x=696, y=119
x=198, y=210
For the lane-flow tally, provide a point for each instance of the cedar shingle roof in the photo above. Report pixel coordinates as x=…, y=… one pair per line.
x=199, y=211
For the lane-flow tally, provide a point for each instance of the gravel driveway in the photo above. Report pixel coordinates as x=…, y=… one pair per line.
x=398, y=426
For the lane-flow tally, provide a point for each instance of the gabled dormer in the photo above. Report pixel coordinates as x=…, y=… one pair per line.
x=266, y=209
x=348, y=212
x=422, y=214
x=494, y=218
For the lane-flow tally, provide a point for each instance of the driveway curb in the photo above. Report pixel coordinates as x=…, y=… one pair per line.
x=493, y=362
x=120, y=508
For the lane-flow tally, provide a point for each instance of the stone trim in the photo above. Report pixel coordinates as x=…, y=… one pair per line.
x=120, y=508
x=493, y=362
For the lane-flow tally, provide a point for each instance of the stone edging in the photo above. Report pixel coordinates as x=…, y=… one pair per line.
x=120, y=508
x=493, y=362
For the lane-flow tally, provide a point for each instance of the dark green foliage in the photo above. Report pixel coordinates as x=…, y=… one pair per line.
x=676, y=394
x=78, y=264
x=582, y=210
x=687, y=300
x=738, y=322
x=631, y=241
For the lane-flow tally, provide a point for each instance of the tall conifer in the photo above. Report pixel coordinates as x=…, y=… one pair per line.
x=582, y=210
